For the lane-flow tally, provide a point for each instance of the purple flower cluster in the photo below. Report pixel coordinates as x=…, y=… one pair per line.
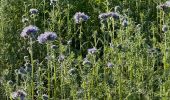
x=47, y=36
x=53, y=2
x=33, y=11
x=26, y=32
x=124, y=23
x=92, y=50
x=164, y=28
x=19, y=93
x=104, y=16
x=79, y=17
x=164, y=6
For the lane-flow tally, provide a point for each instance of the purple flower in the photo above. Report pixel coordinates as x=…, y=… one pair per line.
x=28, y=30
x=45, y=97
x=24, y=20
x=53, y=2
x=164, y=28
x=61, y=58
x=79, y=17
x=14, y=95
x=86, y=61
x=47, y=36
x=125, y=23
x=33, y=11
x=164, y=6
x=92, y=50
x=104, y=16
x=53, y=47
x=113, y=15
x=19, y=93
x=109, y=64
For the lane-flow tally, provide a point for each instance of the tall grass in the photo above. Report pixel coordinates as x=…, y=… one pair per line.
x=124, y=57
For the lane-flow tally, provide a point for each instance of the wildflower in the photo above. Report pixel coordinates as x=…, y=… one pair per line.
x=26, y=58
x=79, y=17
x=72, y=71
x=164, y=28
x=109, y=64
x=53, y=47
x=53, y=2
x=61, y=58
x=21, y=94
x=21, y=70
x=167, y=3
x=92, y=50
x=113, y=15
x=45, y=97
x=10, y=82
x=47, y=36
x=28, y=67
x=24, y=20
x=125, y=23
x=80, y=92
x=117, y=8
x=103, y=16
x=26, y=32
x=164, y=6
x=14, y=95
x=86, y=61
x=33, y=11
x=69, y=42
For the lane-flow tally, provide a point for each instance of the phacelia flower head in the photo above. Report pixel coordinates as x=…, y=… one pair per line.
x=109, y=64
x=113, y=15
x=86, y=61
x=92, y=50
x=45, y=97
x=164, y=28
x=19, y=93
x=47, y=36
x=164, y=6
x=33, y=11
x=53, y=47
x=167, y=3
x=53, y=2
x=105, y=16
x=29, y=30
x=80, y=17
x=125, y=23
x=24, y=20
x=14, y=95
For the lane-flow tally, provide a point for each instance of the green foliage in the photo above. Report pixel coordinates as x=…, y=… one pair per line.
x=130, y=60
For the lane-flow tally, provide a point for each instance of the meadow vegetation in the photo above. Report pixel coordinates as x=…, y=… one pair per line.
x=84, y=50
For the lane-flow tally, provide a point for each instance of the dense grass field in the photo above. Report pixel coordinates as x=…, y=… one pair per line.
x=84, y=50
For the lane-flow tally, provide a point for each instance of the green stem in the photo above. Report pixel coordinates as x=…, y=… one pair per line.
x=48, y=65
x=32, y=64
